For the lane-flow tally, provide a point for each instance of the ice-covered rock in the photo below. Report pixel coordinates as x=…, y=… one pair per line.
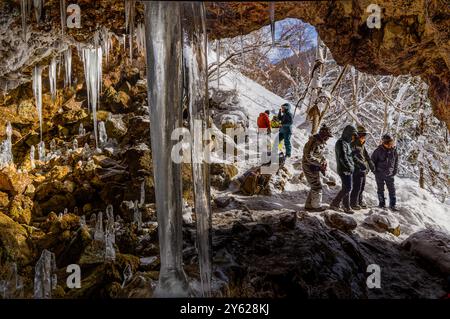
x=340, y=221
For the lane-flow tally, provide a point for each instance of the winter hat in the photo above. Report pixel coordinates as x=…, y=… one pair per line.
x=287, y=106
x=325, y=132
x=387, y=138
x=361, y=130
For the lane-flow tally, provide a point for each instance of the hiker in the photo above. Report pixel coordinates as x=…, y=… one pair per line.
x=345, y=168
x=313, y=164
x=385, y=159
x=264, y=121
x=285, y=117
x=363, y=163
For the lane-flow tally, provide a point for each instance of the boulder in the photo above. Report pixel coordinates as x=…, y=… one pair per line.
x=432, y=247
x=12, y=181
x=20, y=209
x=340, y=221
x=382, y=221
x=13, y=241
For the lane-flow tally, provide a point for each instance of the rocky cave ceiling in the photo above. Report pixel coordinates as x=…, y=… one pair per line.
x=414, y=37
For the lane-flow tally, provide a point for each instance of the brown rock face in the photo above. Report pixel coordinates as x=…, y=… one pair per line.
x=413, y=37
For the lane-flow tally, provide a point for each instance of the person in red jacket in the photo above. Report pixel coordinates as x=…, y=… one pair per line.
x=264, y=120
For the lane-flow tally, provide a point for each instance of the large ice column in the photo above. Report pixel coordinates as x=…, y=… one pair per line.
x=197, y=75
x=164, y=75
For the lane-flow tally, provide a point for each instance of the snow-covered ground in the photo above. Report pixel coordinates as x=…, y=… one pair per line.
x=419, y=209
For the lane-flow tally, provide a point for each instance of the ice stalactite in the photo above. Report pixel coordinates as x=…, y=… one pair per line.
x=38, y=4
x=37, y=90
x=272, y=21
x=165, y=90
x=197, y=70
x=129, y=22
x=140, y=38
x=25, y=8
x=218, y=62
x=102, y=136
x=110, y=236
x=12, y=286
x=6, y=156
x=41, y=151
x=62, y=9
x=68, y=67
x=142, y=199
x=45, y=279
x=52, y=78
x=33, y=157
x=99, y=234
x=137, y=215
x=106, y=43
x=92, y=62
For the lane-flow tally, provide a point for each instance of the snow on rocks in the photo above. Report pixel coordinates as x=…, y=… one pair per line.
x=382, y=221
x=432, y=247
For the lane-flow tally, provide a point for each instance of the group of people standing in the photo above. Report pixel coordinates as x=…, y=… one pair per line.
x=352, y=158
x=353, y=165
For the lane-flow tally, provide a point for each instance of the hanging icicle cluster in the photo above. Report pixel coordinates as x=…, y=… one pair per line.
x=92, y=62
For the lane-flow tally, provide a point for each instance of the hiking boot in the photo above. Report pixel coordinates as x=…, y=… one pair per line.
x=315, y=209
x=348, y=211
x=333, y=207
x=356, y=207
x=381, y=206
x=394, y=209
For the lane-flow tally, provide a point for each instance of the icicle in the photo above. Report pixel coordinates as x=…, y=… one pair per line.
x=52, y=78
x=24, y=13
x=41, y=151
x=106, y=43
x=32, y=157
x=142, y=202
x=38, y=4
x=127, y=275
x=92, y=61
x=164, y=78
x=197, y=69
x=83, y=221
x=81, y=130
x=37, y=90
x=45, y=279
x=272, y=20
x=103, y=137
x=99, y=233
x=137, y=216
x=218, y=62
x=140, y=38
x=129, y=23
x=68, y=67
x=62, y=9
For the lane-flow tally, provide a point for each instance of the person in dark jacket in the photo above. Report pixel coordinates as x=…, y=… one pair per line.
x=385, y=159
x=285, y=118
x=363, y=163
x=314, y=163
x=345, y=168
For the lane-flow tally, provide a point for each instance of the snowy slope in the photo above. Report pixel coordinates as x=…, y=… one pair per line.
x=419, y=209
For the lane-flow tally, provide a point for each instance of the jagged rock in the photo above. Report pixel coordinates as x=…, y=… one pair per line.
x=13, y=241
x=223, y=201
x=4, y=200
x=21, y=208
x=339, y=221
x=221, y=174
x=115, y=126
x=12, y=181
x=432, y=247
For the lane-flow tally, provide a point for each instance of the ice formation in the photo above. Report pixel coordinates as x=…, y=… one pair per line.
x=45, y=279
x=37, y=90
